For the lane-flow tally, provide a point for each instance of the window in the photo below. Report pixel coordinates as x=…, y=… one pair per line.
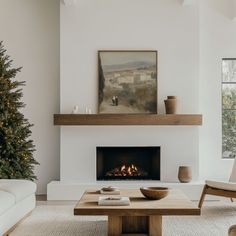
x=229, y=108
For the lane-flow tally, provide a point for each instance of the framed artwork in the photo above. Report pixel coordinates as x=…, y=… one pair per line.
x=127, y=82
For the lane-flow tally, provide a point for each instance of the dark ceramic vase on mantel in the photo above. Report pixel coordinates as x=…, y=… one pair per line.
x=171, y=105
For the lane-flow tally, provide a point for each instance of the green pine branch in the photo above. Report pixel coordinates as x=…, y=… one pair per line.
x=16, y=147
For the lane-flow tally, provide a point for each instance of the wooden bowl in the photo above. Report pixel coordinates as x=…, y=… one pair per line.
x=154, y=193
x=109, y=189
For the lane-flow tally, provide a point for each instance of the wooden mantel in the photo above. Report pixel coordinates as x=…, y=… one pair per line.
x=127, y=119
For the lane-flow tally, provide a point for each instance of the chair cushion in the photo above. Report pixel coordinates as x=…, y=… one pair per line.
x=231, y=186
x=232, y=230
x=7, y=200
x=19, y=188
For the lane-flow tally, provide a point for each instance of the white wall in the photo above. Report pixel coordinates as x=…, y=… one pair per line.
x=217, y=41
x=30, y=31
x=162, y=25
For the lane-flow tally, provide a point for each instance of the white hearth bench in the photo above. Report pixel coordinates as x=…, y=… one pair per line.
x=17, y=200
x=68, y=190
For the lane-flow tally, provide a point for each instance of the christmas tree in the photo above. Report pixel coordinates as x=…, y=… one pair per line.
x=16, y=148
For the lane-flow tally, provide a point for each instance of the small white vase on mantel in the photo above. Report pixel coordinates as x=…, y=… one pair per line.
x=75, y=110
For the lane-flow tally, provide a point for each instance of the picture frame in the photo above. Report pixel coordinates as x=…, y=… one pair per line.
x=128, y=81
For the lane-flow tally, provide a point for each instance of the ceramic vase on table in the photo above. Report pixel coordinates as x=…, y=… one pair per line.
x=185, y=174
x=171, y=105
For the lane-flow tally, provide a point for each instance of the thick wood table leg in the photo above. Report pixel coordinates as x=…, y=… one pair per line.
x=114, y=225
x=155, y=225
x=135, y=224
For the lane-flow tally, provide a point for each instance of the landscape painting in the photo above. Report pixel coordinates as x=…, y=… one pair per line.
x=127, y=82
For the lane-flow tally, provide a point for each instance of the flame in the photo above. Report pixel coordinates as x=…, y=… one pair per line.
x=129, y=170
x=126, y=170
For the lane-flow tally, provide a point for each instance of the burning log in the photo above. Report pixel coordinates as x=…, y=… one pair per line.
x=127, y=170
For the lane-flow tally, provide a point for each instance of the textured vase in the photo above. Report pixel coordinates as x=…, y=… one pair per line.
x=185, y=174
x=171, y=105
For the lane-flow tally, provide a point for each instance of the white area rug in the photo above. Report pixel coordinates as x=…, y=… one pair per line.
x=58, y=220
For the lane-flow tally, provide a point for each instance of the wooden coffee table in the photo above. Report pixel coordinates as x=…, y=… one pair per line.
x=142, y=217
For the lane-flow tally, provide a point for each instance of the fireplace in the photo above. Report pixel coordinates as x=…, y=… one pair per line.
x=128, y=163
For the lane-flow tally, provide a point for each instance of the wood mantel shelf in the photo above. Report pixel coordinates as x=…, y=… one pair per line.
x=127, y=119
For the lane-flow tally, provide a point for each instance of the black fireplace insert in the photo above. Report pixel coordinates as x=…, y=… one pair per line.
x=128, y=163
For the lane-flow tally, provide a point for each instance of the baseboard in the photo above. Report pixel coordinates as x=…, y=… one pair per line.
x=41, y=197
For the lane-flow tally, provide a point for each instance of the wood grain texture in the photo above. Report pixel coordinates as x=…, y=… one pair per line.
x=140, y=225
x=202, y=196
x=155, y=225
x=142, y=216
x=127, y=119
x=221, y=192
x=216, y=192
x=114, y=225
x=176, y=203
x=135, y=224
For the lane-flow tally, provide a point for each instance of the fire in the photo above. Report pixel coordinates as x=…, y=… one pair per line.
x=129, y=170
x=126, y=171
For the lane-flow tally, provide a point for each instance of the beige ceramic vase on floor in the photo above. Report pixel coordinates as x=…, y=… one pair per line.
x=171, y=105
x=185, y=174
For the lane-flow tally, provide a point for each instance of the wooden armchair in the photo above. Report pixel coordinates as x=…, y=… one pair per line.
x=220, y=188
